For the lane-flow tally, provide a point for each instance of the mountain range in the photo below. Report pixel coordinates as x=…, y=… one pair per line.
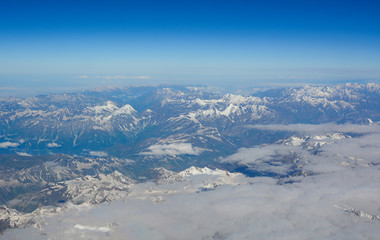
x=94, y=147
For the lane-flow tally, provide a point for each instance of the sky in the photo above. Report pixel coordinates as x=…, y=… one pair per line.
x=57, y=45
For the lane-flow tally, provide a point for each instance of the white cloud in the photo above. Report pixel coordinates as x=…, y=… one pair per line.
x=313, y=207
x=274, y=158
x=98, y=153
x=122, y=77
x=8, y=88
x=173, y=149
x=82, y=77
x=363, y=150
x=339, y=201
x=53, y=145
x=23, y=154
x=92, y=228
x=321, y=128
x=9, y=144
x=128, y=161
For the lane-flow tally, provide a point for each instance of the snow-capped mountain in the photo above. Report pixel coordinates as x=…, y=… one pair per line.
x=126, y=121
x=101, y=146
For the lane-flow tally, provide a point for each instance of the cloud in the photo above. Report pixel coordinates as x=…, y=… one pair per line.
x=9, y=144
x=98, y=153
x=282, y=157
x=114, y=77
x=173, y=149
x=340, y=200
x=23, y=154
x=53, y=145
x=320, y=128
x=82, y=77
x=9, y=88
x=122, y=77
x=276, y=158
x=92, y=228
x=328, y=205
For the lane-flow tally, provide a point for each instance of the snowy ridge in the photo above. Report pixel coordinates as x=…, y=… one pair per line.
x=111, y=109
x=337, y=97
x=314, y=142
x=98, y=189
x=169, y=177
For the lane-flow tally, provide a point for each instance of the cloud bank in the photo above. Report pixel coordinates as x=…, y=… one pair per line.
x=82, y=77
x=24, y=154
x=172, y=149
x=9, y=144
x=98, y=153
x=276, y=158
x=53, y=145
x=122, y=77
x=321, y=128
x=338, y=199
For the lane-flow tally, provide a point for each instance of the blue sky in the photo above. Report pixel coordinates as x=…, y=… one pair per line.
x=85, y=44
